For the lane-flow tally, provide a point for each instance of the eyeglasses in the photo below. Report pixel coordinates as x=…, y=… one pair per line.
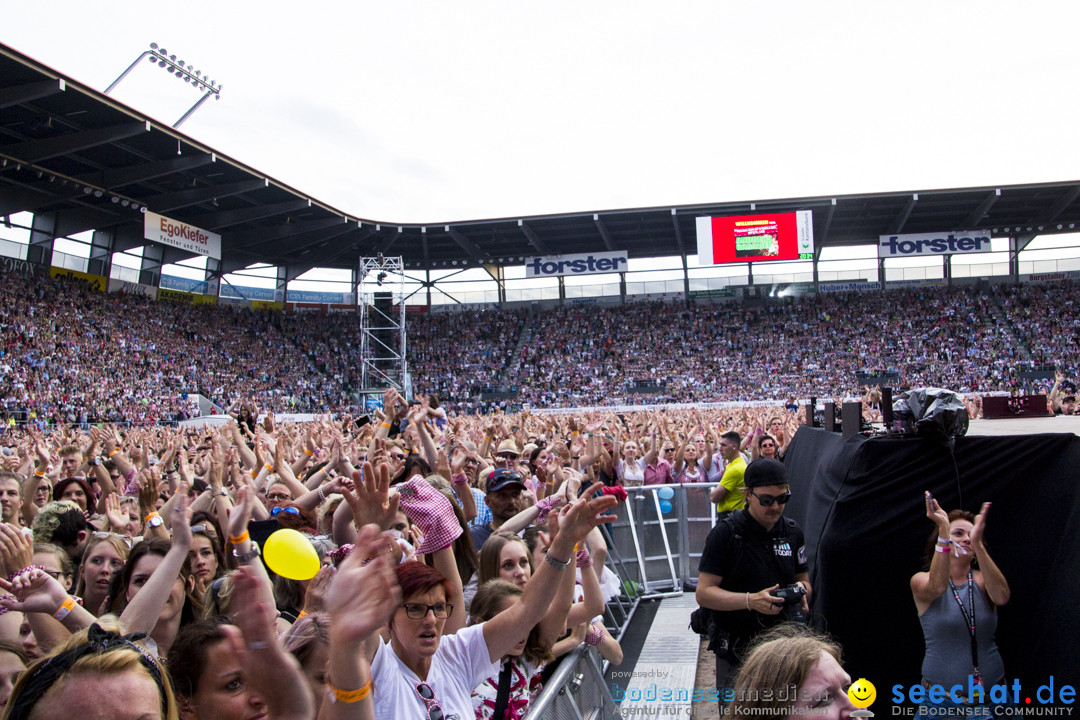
x=278, y=496
x=419, y=611
x=669, y=449
x=278, y=510
x=396, y=456
x=765, y=445
x=507, y=456
x=428, y=696
x=768, y=500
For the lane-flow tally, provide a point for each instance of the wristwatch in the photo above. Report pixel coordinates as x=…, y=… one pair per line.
x=95, y=461
x=249, y=555
x=155, y=521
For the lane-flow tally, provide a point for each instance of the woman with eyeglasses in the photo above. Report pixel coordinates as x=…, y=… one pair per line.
x=423, y=671
x=55, y=561
x=766, y=446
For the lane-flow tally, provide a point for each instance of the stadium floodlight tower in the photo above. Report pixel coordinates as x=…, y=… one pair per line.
x=382, y=325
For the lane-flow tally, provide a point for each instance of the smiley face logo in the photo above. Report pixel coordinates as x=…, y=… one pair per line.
x=862, y=693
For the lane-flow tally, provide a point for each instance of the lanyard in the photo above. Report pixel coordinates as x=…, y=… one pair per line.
x=969, y=620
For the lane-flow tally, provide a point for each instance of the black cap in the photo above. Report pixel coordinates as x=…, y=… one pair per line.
x=503, y=477
x=765, y=471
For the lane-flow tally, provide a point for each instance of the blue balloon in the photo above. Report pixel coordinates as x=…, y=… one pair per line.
x=665, y=493
x=665, y=507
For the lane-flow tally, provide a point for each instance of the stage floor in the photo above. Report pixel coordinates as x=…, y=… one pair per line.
x=1026, y=426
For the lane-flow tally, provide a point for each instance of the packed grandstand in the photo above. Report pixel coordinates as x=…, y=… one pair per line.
x=72, y=354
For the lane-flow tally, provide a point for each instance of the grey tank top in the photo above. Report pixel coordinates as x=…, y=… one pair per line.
x=948, y=643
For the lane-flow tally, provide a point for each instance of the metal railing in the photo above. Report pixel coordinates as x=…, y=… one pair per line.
x=654, y=545
x=576, y=691
x=657, y=538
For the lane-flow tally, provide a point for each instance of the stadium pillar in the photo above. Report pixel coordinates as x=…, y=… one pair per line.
x=282, y=288
x=213, y=276
x=946, y=268
x=685, y=281
x=101, y=250
x=427, y=287
x=42, y=234
x=562, y=290
x=622, y=288
x=150, y=267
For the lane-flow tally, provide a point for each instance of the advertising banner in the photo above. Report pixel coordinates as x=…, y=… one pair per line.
x=129, y=287
x=160, y=229
x=97, y=282
x=848, y=286
x=755, y=238
x=248, y=293
x=1050, y=277
x=172, y=282
x=945, y=243
x=186, y=297
x=585, y=264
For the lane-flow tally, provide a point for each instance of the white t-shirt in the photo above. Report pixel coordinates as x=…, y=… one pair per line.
x=459, y=665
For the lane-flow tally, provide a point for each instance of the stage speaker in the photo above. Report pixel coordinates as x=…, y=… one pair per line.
x=809, y=420
x=830, y=417
x=851, y=418
x=886, y=407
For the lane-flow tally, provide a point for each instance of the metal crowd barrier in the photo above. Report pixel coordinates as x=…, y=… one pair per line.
x=576, y=691
x=659, y=551
x=655, y=554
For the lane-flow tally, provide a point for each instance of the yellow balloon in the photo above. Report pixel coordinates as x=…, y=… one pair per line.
x=291, y=555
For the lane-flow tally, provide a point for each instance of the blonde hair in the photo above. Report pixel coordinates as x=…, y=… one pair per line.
x=112, y=657
x=782, y=657
x=118, y=544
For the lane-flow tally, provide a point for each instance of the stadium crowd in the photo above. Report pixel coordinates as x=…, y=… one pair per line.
x=74, y=355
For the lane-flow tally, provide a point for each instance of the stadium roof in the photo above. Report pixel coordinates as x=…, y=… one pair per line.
x=72, y=153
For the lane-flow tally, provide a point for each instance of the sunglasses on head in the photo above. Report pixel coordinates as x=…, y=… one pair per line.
x=768, y=500
x=278, y=510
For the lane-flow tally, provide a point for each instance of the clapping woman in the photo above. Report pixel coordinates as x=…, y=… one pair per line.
x=957, y=595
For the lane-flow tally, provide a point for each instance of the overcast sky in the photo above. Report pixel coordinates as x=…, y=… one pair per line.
x=438, y=111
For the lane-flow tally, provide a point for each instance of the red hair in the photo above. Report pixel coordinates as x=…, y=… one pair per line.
x=416, y=578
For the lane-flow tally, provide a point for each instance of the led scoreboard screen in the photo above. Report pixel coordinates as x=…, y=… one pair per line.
x=751, y=238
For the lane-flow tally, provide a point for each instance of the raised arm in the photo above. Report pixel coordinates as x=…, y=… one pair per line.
x=142, y=613
x=268, y=669
x=927, y=587
x=507, y=628
x=362, y=598
x=993, y=580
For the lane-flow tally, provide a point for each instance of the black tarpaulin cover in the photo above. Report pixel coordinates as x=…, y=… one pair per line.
x=860, y=502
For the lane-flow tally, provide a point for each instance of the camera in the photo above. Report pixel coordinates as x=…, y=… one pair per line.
x=792, y=595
